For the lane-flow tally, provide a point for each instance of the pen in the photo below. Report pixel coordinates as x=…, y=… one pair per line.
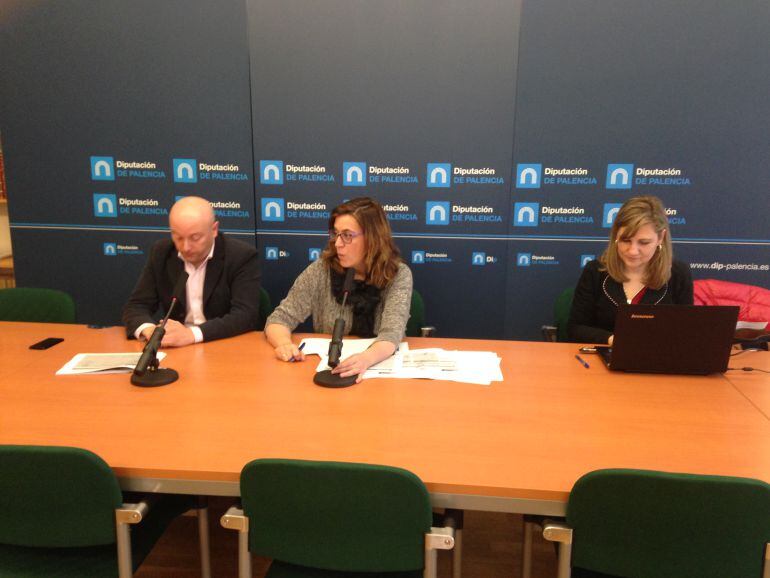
x=582, y=361
x=301, y=347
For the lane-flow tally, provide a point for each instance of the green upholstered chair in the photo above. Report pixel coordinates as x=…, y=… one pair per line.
x=561, y=308
x=62, y=514
x=265, y=308
x=41, y=305
x=635, y=523
x=416, y=327
x=335, y=520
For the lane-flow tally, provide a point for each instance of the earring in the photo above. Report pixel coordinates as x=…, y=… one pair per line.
x=660, y=247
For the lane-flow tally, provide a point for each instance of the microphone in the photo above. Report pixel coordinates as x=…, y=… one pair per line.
x=326, y=378
x=148, y=360
x=335, y=346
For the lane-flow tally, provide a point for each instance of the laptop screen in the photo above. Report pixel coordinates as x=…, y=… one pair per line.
x=673, y=338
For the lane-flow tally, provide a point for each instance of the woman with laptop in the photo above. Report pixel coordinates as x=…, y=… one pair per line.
x=637, y=267
x=378, y=304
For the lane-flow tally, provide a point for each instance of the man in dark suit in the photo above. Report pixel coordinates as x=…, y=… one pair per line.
x=221, y=298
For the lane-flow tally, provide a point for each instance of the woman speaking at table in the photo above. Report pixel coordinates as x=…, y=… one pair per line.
x=636, y=267
x=378, y=306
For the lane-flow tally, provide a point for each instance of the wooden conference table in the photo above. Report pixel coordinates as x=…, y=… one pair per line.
x=515, y=446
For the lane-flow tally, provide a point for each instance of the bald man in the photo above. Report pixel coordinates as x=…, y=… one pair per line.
x=222, y=293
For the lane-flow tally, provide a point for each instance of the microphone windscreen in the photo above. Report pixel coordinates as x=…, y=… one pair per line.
x=347, y=286
x=179, y=288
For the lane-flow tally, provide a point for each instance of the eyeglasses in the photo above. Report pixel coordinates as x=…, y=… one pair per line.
x=346, y=236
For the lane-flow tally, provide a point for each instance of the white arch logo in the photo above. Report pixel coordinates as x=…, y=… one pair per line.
x=525, y=214
x=184, y=171
x=273, y=209
x=353, y=174
x=314, y=254
x=479, y=259
x=610, y=212
x=437, y=212
x=439, y=174
x=528, y=175
x=418, y=256
x=523, y=259
x=105, y=205
x=102, y=169
x=619, y=176
x=271, y=172
x=271, y=253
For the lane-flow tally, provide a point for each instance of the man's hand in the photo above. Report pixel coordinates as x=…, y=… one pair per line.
x=147, y=333
x=177, y=335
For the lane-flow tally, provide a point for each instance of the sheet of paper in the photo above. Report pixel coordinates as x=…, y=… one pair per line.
x=84, y=363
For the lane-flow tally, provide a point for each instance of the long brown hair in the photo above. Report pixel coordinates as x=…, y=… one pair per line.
x=381, y=257
x=634, y=214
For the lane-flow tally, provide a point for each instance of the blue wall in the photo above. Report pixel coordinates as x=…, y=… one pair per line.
x=675, y=93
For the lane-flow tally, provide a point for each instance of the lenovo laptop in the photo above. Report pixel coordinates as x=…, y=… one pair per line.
x=671, y=339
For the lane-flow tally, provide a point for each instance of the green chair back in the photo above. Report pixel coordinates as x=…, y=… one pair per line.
x=416, y=315
x=57, y=514
x=336, y=516
x=561, y=308
x=641, y=523
x=56, y=497
x=265, y=308
x=40, y=305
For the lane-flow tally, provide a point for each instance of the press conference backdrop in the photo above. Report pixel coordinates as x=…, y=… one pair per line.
x=501, y=137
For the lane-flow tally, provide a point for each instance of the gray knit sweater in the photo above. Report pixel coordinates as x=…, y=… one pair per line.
x=311, y=294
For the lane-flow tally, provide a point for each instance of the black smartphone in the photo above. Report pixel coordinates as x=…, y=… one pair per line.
x=46, y=343
x=587, y=349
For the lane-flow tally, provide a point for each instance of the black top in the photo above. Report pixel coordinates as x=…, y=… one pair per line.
x=598, y=296
x=230, y=289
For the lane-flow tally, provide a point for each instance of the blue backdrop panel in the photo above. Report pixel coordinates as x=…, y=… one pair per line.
x=409, y=103
x=622, y=99
x=110, y=111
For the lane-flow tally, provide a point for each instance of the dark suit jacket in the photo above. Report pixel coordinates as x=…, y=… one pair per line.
x=230, y=289
x=597, y=297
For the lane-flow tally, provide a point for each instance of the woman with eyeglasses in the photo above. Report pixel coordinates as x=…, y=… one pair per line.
x=636, y=267
x=378, y=306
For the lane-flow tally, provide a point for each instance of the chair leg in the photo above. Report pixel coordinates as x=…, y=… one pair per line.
x=431, y=564
x=565, y=560
x=457, y=554
x=234, y=519
x=125, y=564
x=203, y=537
x=526, y=558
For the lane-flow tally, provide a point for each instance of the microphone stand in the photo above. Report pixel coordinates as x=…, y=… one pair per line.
x=326, y=378
x=147, y=373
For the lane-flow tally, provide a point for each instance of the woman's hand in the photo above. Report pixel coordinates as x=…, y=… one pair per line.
x=289, y=352
x=354, y=365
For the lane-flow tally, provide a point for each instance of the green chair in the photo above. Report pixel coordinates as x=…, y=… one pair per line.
x=416, y=327
x=62, y=514
x=561, y=308
x=335, y=520
x=635, y=523
x=265, y=308
x=40, y=305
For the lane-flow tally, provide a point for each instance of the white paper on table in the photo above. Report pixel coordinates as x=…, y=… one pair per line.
x=320, y=346
x=84, y=363
x=352, y=347
x=478, y=367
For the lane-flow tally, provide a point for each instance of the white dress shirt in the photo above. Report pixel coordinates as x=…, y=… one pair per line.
x=194, y=297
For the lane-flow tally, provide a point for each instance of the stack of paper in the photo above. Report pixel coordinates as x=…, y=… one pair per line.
x=103, y=363
x=482, y=367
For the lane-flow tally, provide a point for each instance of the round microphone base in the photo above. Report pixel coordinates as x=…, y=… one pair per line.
x=326, y=378
x=155, y=378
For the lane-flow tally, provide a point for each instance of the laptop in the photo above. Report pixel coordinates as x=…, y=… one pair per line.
x=671, y=339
